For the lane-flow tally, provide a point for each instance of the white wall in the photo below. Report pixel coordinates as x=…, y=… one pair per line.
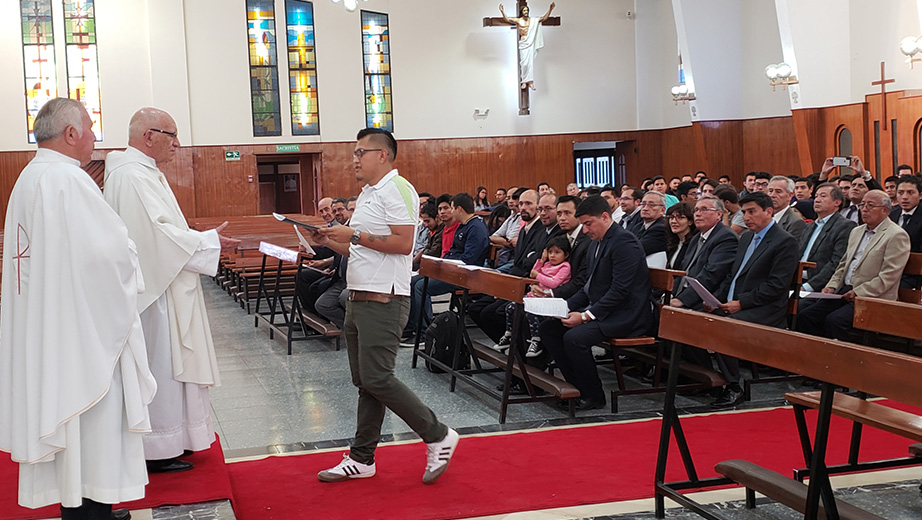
x=656, y=49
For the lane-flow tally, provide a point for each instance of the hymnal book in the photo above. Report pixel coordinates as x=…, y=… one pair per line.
x=283, y=218
x=553, y=307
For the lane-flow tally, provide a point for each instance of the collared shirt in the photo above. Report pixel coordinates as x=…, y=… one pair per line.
x=859, y=254
x=573, y=235
x=756, y=241
x=907, y=215
x=816, y=233
x=851, y=212
x=391, y=202
x=777, y=216
x=510, y=227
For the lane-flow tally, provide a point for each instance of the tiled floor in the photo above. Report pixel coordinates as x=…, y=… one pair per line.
x=271, y=402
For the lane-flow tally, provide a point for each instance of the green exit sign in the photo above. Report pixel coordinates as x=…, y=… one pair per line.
x=284, y=148
x=232, y=156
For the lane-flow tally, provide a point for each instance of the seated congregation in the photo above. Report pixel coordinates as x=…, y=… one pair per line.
x=785, y=252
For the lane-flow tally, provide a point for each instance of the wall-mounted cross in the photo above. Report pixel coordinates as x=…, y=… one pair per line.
x=883, y=95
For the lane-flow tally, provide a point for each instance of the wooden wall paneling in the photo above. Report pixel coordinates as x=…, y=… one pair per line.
x=678, y=153
x=874, y=113
x=222, y=187
x=812, y=138
x=723, y=146
x=11, y=164
x=768, y=145
x=909, y=117
x=180, y=175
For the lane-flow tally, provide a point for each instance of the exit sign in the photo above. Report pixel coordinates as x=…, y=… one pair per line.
x=283, y=148
x=232, y=156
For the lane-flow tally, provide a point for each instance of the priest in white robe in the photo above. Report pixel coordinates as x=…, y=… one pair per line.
x=173, y=316
x=74, y=376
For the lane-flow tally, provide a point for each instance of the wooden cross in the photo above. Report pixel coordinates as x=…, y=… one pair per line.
x=883, y=95
x=495, y=21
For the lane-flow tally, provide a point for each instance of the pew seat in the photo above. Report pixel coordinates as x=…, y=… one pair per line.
x=704, y=377
x=869, y=413
x=782, y=489
x=541, y=379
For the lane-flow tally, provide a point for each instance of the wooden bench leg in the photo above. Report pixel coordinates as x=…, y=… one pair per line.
x=750, y=498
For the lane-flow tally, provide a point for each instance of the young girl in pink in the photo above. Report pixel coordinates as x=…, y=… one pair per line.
x=551, y=271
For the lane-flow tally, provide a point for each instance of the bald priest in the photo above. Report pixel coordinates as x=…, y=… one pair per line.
x=173, y=316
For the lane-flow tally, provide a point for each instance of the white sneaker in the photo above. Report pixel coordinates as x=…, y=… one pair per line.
x=504, y=342
x=438, y=455
x=534, y=348
x=347, y=469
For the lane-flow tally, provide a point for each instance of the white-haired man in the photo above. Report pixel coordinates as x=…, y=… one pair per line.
x=73, y=392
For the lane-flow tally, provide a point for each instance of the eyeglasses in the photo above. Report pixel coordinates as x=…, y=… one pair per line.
x=761, y=184
x=650, y=204
x=359, y=152
x=171, y=134
x=869, y=205
x=702, y=210
x=677, y=216
x=546, y=208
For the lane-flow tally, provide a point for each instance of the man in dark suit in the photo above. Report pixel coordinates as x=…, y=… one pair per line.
x=630, y=207
x=756, y=287
x=652, y=230
x=780, y=190
x=909, y=217
x=708, y=260
x=824, y=240
x=615, y=302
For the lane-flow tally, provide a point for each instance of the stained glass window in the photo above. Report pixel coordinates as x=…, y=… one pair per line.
x=82, y=67
x=38, y=57
x=377, y=54
x=264, y=76
x=302, y=68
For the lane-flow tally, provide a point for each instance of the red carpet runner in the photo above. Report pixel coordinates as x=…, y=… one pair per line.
x=529, y=471
x=208, y=481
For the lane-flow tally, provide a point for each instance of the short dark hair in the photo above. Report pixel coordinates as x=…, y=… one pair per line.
x=518, y=193
x=464, y=201
x=710, y=182
x=808, y=180
x=503, y=189
x=749, y=174
x=425, y=194
x=382, y=137
x=430, y=210
x=911, y=179
x=593, y=190
x=607, y=187
x=763, y=175
x=350, y=199
x=763, y=200
x=685, y=187
x=904, y=167
x=561, y=242
x=845, y=177
x=724, y=176
x=569, y=198
x=893, y=178
x=445, y=197
x=593, y=206
x=658, y=177
x=543, y=184
x=637, y=193
x=727, y=193
x=675, y=179
x=836, y=192
x=339, y=200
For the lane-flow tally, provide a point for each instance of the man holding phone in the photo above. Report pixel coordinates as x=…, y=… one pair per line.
x=852, y=163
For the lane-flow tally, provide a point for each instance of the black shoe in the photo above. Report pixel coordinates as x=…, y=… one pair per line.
x=729, y=397
x=584, y=404
x=121, y=514
x=168, y=466
x=408, y=339
x=186, y=453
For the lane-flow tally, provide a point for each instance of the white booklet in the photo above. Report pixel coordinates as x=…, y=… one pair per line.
x=820, y=295
x=307, y=247
x=705, y=294
x=553, y=307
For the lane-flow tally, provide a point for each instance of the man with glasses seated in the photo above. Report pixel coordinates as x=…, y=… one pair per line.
x=872, y=265
x=652, y=233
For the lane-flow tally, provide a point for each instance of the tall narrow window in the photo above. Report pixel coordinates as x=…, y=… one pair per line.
x=302, y=68
x=38, y=57
x=82, y=67
x=376, y=50
x=264, y=76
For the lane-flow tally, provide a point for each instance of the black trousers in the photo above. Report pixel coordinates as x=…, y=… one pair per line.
x=571, y=349
x=828, y=318
x=89, y=510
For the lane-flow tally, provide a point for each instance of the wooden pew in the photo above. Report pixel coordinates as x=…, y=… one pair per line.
x=913, y=267
x=663, y=280
x=876, y=315
x=505, y=287
x=870, y=370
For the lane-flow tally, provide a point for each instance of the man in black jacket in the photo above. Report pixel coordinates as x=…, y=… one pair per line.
x=906, y=213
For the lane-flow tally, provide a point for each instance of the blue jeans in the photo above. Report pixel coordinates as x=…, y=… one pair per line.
x=435, y=288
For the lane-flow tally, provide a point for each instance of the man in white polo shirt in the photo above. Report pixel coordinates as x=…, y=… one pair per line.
x=379, y=243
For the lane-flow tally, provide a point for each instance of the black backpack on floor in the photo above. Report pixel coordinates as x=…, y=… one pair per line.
x=441, y=337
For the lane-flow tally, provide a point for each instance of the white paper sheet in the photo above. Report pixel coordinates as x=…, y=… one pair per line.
x=307, y=247
x=820, y=295
x=705, y=294
x=553, y=307
x=278, y=252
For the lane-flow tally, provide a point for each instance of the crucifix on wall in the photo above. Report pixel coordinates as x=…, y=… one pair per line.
x=530, y=40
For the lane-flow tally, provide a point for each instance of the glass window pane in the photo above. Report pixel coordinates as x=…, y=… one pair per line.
x=263, y=67
x=38, y=58
x=82, y=66
x=379, y=112
x=302, y=67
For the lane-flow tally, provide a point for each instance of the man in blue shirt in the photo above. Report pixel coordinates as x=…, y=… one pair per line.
x=470, y=245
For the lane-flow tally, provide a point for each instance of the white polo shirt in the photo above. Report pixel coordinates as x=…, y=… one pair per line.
x=391, y=202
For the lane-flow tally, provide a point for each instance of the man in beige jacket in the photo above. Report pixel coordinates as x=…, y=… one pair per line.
x=871, y=267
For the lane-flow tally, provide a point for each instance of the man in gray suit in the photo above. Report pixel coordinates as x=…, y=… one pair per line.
x=824, y=240
x=780, y=189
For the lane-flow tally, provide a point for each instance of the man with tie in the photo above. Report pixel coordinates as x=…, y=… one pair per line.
x=908, y=192
x=615, y=302
x=712, y=253
x=756, y=287
x=824, y=240
x=871, y=267
x=781, y=189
